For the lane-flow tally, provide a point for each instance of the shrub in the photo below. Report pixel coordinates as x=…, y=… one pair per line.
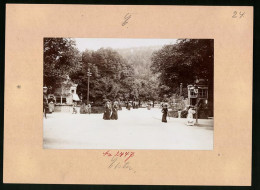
x=98, y=109
x=173, y=114
x=184, y=114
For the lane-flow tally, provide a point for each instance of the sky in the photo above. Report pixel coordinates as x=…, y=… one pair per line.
x=119, y=43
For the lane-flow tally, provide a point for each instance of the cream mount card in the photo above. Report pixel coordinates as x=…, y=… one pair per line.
x=225, y=157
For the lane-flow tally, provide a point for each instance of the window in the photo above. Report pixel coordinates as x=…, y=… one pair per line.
x=203, y=93
x=58, y=100
x=64, y=100
x=192, y=92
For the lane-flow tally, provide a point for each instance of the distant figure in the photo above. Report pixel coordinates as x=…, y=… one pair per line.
x=162, y=105
x=190, y=120
x=74, y=110
x=165, y=113
x=135, y=105
x=114, y=115
x=107, y=112
x=45, y=107
x=128, y=105
x=83, y=108
x=119, y=106
x=89, y=108
x=51, y=106
x=149, y=105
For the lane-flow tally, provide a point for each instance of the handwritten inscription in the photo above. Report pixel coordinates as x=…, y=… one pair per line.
x=238, y=14
x=126, y=155
x=126, y=19
x=120, y=160
x=116, y=164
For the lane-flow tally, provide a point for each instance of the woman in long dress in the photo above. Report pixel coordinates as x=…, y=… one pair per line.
x=190, y=120
x=165, y=112
x=114, y=115
x=45, y=107
x=74, y=110
x=83, y=108
x=107, y=112
x=149, y=105
x=89, y=108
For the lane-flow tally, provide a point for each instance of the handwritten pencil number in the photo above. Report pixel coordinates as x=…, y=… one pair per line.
x=234, y=14
x=240, y=15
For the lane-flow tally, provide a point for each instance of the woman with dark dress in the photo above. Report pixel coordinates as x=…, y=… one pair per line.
x=128, y=105
x=114, y=115
x=82, y=109
x=119, y=106
x=107, y=112
x=45, y=107
x=165, y=112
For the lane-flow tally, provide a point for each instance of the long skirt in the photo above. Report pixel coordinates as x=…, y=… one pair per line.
x=107, y=114
x=114, y=115
x=164, y=117
x=190, y=120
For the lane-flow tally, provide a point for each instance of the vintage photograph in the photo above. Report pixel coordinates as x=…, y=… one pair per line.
x=119, y=93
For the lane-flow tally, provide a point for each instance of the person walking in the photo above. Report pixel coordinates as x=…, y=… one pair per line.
x=114, y=115
x=107, y=112
x=165, y=113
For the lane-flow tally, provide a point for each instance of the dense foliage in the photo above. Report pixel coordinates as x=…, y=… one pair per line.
x=126, y=74
x=184, y=62
x=61, y=58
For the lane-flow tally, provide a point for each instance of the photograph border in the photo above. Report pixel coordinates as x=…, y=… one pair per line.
x=256, y=120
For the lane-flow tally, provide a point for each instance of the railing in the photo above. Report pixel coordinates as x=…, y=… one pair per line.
x=193, y=96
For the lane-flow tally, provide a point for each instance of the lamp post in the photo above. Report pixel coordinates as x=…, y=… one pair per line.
x=45, y=101
x=89, y=74
x=196, y=90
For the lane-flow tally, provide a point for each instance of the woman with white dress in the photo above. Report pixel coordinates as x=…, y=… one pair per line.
x=190, y=120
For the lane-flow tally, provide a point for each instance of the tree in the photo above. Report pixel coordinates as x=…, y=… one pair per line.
x=111, y=78
x=183, y=63
x=61, y=58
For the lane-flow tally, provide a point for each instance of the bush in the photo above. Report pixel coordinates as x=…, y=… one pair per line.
x=184, y=114
x=203, y=114
x=173, y=114
x=98, y=109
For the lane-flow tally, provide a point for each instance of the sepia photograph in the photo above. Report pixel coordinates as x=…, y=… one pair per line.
x=120, y=93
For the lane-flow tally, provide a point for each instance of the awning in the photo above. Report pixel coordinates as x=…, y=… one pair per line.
x=75, y=97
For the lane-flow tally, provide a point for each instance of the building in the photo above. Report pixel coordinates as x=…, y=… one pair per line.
x=198, y=92
x=64, y=95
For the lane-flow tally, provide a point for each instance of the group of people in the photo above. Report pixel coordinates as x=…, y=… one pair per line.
x=48, y=106
x=84, y=109
x=130, y=104
x=111, y=109
x=190, y=120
